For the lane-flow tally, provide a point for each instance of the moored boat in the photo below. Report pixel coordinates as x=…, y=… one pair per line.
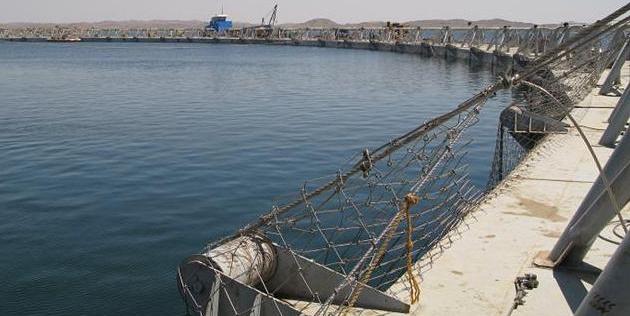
x=64, y=39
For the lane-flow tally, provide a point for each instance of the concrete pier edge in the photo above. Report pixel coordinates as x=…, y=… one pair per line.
x=498, y=61
x=520, y=219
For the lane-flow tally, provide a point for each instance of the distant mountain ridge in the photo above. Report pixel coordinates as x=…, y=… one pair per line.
x=314, y=23
x=327, y=23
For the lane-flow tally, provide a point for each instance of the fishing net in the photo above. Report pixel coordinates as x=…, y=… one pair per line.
x=549, y=89
x=353, y=222
x=379, y=223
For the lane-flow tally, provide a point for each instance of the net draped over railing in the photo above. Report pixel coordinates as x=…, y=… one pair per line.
x=343, y=221
x=397, y=207
x=566, y=79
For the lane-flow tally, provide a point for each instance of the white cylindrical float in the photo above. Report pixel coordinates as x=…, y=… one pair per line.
x=250, y=259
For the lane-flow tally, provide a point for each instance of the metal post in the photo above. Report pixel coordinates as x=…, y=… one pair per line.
x=610, y=294
x=617, y=120
x=596, y=209
x=615, y=72
x=614, y=112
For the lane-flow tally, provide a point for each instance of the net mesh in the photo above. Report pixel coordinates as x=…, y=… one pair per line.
x=566, y=81
x=356, y=222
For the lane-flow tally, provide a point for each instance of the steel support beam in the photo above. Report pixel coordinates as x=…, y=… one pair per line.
x=610, y=294
x=614, y=76
x=617, y=120
x=297, y=278
x=596, y=210
x=616, y=109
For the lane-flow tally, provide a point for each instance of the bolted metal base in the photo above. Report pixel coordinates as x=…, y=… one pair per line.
x=251, y=275
x=541, y=260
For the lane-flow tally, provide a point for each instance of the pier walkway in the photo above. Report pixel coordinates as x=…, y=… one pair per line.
x=522, y=217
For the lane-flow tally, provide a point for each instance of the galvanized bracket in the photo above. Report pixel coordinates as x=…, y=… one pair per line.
x=296, y=274
x=209, y=291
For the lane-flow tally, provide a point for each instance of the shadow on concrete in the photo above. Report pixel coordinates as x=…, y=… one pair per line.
x=570, y=280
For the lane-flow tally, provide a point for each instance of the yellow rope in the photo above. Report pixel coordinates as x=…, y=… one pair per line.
x=409, y=201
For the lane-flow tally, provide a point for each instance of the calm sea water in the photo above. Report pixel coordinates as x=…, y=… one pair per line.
x=119, y=160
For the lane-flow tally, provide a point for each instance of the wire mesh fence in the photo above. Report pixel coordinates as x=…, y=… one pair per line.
x=360, y=239
x=565, y=81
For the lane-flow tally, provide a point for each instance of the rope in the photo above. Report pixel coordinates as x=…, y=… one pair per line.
x=354, y=220
x=382, y=152
x=410, y=200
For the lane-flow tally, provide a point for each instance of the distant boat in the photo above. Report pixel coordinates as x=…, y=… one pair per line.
x=64, y=40
x=220, y=23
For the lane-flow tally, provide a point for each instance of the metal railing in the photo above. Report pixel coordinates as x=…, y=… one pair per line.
x=535, y=40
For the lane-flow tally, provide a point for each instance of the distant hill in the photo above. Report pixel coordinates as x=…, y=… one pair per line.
x=464, y=23
x=113, y=24
x=131, y=24
x=314, y=23
x=327, y=23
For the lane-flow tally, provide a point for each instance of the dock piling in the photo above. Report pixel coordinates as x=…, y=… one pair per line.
x=617, y=120
x=596, y=210
x=609, y=295
x=613, y=77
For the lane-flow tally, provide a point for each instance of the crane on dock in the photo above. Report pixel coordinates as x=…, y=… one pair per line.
x=273, y=15
x=264, y=30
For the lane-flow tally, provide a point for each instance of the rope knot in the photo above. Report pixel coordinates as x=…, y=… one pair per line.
x=366, y=165
x=411, y=199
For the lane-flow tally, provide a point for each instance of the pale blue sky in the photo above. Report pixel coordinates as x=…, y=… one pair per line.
x=538, y=11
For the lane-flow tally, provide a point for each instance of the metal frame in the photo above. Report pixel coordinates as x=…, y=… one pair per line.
x=617, y=120
x=609, y=295
x=596, y=210
x=614, y=76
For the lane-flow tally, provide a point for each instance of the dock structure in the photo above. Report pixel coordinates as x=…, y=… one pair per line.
x=501, y=47
x=347, y=245
x=403, y=231
x=521, y=220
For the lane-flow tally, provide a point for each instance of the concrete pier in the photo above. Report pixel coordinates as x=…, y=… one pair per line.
x=500, y=61
x=522, y=219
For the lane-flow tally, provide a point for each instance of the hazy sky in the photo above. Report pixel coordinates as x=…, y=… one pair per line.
x=538, y=11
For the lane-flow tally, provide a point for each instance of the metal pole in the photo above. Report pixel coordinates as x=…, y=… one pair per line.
x=614, y=112
x=610, y=294
x=617, y=120
x=615, y=72
x=596, y=209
